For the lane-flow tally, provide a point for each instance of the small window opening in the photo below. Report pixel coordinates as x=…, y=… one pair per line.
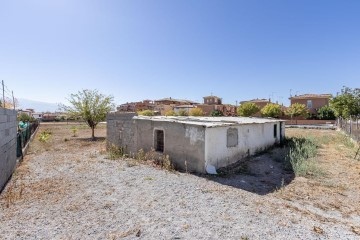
x=275, y=131
x=309, y=103
x=232, y=137
x=159, y=140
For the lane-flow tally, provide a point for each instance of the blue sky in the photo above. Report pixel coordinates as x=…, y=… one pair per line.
x=135, y=50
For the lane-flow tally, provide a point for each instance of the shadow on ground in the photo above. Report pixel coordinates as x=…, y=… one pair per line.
x=88, y=139
x=260, y=174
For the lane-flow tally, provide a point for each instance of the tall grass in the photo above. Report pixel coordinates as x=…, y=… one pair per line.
x=301, y=156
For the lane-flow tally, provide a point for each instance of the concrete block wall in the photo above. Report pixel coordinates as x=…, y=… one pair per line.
x=8, y=131
x=121, y=130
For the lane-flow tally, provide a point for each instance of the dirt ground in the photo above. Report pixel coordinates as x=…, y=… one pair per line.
x=68, y=188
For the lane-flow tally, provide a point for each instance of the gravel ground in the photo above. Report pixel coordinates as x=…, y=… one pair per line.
x=68, y=189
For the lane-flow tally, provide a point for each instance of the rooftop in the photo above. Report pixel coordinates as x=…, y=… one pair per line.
x=257, y=100
x=175, y=100
x=212, y=97
x=211, y=121
x=305, y=96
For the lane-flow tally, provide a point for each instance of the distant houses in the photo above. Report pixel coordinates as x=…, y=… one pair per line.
x=213, y=104
x=313, y=102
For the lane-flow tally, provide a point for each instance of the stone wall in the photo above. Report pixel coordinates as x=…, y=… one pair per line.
x=121, y=130
x=8, y=130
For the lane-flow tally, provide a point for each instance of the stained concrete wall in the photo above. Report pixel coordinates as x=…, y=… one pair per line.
x=8, y=130
x=184, y=143
x=252, y=138
x=121, y=130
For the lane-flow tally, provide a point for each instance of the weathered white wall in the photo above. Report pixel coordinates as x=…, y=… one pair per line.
x=252, y=138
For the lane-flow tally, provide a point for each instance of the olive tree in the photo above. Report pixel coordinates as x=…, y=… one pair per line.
x=247, y=109
x=89, y=105
x=295, y=110
x=271, y=110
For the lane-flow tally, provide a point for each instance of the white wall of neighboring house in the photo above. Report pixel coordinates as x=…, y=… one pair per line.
x=37, y=115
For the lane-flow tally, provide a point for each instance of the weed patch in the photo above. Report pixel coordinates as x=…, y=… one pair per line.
x=45, y=135
x=301, y=156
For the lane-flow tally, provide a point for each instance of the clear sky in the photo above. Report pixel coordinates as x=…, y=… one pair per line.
x=150, y=49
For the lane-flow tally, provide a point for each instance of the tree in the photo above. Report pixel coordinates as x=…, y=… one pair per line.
x=216, y=113
x=296, y=110
x=196, y=112
x=247, y=109
x=271, y=110
x=91, y=106
x=148, y=113
x=347, y=103
x=326, y=113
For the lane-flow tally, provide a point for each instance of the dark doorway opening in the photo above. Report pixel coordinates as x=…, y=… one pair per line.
x=159, y=140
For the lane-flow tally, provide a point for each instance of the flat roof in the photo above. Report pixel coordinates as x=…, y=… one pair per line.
x=211, y=121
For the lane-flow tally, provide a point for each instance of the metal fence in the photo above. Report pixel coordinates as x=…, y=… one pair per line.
x=7, y=99
x=350, y=126
x=24, y=135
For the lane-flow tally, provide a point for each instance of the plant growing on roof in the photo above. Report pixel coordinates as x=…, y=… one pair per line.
x=91, y=106
x=247, y=109
x=271, y=110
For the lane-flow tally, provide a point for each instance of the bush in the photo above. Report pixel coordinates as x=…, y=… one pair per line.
x=247, y=109
x=216, y=113
x=271, y=110
x=196, y=112
x=25, y=118
x=182, y=112
x=170, y=113
x=45, y=135
x=301, y=156
x=146, y=113
x=326, y=113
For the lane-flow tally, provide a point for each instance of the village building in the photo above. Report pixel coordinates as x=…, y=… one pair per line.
x=136, y=106
x=212, y=100
x=214, y=103
x=166, y=104
x=313, y=102
x=37, y=116
x=195, y=144
x=185, y=108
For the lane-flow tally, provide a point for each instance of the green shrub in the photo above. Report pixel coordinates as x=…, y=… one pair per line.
x=196, y=112
x=170, y=113
x=216, y=113
x=45, y=135
x=302, y=156
x=182, y=112
x=146, y=113
x=271, y=110
x=74, y=130
x=247, y=109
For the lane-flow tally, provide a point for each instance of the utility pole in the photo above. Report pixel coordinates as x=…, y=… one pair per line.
x=3, y=86
x=12, y=92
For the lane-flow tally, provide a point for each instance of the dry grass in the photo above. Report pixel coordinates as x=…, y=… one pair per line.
x=338, y=190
